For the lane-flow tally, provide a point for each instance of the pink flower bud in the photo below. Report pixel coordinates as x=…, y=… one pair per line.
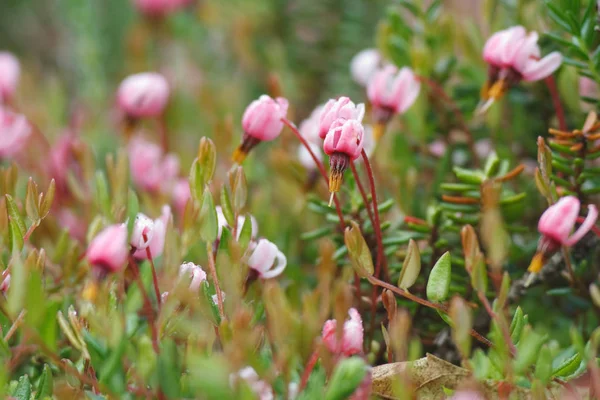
x=342, y=108
x=158, y=235
x=364, y=64
x=143, y=95
x=352, y=335
x=261, y=389
x=181, y=194
x=158, y=8
x=558, y=221
x=108, y=251
x=262, y=118
x=346, y=137
x=14, y=132
x=10, y=71
x=143, y=230
x=194, y=273
x=267, y=260
x=393, y=90
x=151, y=169
x=5, y=285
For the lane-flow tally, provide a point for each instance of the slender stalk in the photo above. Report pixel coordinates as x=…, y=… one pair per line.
x=154, y=276
x=321, y=168
x=558, y=108
x=310, y=365
x=425, y=303
x=147, y=304
x=438, y=90
x=15, y=325
x=503, y=327
x=213, y=272
x=377, y=224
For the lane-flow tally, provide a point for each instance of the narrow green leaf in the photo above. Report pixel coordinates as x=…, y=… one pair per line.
x=468, y=176
x=240, y=190
x=568, y=366
x=528, y=349
x=48, y=199
x=45, y=385
x=245, y=232
x=168, y=369
x=226, y=206
x=517, y=324
x=346, y=377
x=14, y=214
x=543, y=366
x=102, y=194
x=133, y=207
x=316, y=234
x=208, y=217
x=23, y=389
x=31, y=205
x=438, y=284
x=359, y=252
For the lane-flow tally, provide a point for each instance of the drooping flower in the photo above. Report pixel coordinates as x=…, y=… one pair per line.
x=343, y=144
x=556, y=225
x=155, y=234
x=151, y=169
x=352, y=336
x=364, y=64
x=159, y=8
x=261, y=122
x=336, y=109
x=194, y=273
x=15, y=130
x=391, y=91
x=143, y=95
x=266, y=260
x=262, y=389
x=513, y=56
x=10, y=72
x=108, y=251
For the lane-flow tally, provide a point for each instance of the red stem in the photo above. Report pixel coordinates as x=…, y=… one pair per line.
x=147, y=304
x=321, y=168
x=154, y=276
x=312, y=361
x=213, y=272
x=558, y=108
x=503, y=327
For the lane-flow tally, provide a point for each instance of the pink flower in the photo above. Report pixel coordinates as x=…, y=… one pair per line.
x=352, y=335
x=63, y=160
x=467, y=395
x=10, y=71
x=392, y=91
x=558, y=221
x=143, y=230
x=342, y=108
x=262, y=389
x=159, y=8
x=155, y=232
x=555, y=225
x=364, y=64
x=5, y=285
x=262, y=118
x=108, y=251
x=513, y=55
x=346, y=137
x=143, y=95
x=181, y=194
x=14, y=132
x=194, y=273
x=267, y=260
x=72, y=223
x=151, y=169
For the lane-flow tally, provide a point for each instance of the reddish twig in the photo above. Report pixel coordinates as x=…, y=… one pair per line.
x=310, y=365
x=558, y=108
x=147, y=304
x=503, y=327
x=213, y=272
x=154, y=276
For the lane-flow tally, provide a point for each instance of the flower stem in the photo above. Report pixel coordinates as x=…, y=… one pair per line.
x=503, y=327
x=558, y=108
x=310, y=365
x=213, y=272
x=154, y=276
x=321, y=168
x=147, y=304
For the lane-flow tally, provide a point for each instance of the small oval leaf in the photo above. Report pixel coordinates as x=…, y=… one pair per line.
x=410, y=267
x=438, y=284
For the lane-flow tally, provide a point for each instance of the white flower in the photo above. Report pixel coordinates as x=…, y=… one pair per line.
x=267, y=260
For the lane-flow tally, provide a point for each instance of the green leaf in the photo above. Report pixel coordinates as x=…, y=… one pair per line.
x=111, y=373
x=491, y=165
x=15, y=236
x=568, y=366
x=346, y=377
x=15, y=215
x=245, y=234
x=208, y=217
x=196, y=181
x=517, y=324
x=438, y=284
x=23, y=389
x=316, y=234
x=168, y=369
x=240, y=190
x=226, y=206
x=359, y=252
x=133, y=207
x=528, y=349
x=410, y=267
x=31, y=197
x=543, y=366
x=47, y=200
x=102, y=194
x=468, y=176
x=45, y=385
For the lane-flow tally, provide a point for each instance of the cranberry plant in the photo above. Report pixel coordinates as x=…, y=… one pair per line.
x=261, y=200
